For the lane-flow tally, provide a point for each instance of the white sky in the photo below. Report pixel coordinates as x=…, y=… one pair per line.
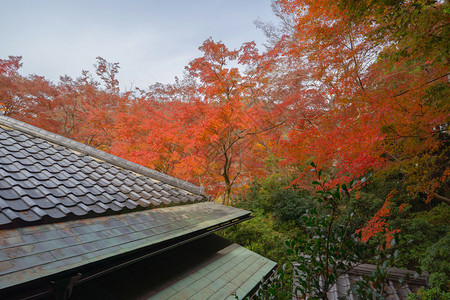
x=152, y=40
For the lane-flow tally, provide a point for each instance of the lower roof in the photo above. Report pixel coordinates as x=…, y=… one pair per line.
x=208, y=268
x=34, y=252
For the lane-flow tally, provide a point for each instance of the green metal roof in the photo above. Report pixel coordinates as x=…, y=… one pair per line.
x=34, y=252
x=233, y=270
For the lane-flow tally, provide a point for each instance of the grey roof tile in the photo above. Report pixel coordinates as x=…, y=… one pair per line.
x=130, y=204
x=3, y=204
x=145, y=195
x=116, y=182
x=67, y=200
x=42, y=144
x=50, y=151
x=7, y=158
x=71, y=157
x=98, y=208
x=156, y=202
x=144, y=203
x=79, y=176
x=44, y=203
x=72, y=169
x=121, y=176
x=18, y=205
x=11, y=148
x=94, y=190
x=42, y=175
x=148, y=188
x=105, y=198
x=47, y=163
x=120, y=197
x=10, y=168
x=88, y=182
x=64, y=163
x=167, y=201
x=11, y=194
x=29, y=184
x=38, y=211
x=19, y=154
x=63, y=209
x=51, y=183
x=165, y=194
x=80, y=163
x=134, y=196
x=34, y=169
x=116, y=206
x=95, y=176
x=4, y=219
x=139, y=181
x=114, y=171
x=157, y=186
x=57, y=156
x=125, y=189
x=36, y=193
x=28, y=216
x=61, y=175
x=33, y=149
x=79, y=210
x=137, y=188
x=19, y=176
x=156, y=194
x=79, y=190
x=87, y=170
x=128, y=182
x=86, y=200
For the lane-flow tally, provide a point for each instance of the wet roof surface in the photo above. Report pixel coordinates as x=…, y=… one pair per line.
x=33, y=252
x=45, y=177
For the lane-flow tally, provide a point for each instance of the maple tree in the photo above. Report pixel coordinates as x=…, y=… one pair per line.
x=204, y=128
x=383, y=106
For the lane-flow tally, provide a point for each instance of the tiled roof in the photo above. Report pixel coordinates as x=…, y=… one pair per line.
x=45, y=177
x=30, y=253
x=394, y=289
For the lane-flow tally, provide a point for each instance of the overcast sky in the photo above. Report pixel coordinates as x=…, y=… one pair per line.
x=153, y=40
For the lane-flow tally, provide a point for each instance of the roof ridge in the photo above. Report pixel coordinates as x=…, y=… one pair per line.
x=98, y=154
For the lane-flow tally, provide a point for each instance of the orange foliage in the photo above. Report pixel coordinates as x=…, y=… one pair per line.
x=378, y=223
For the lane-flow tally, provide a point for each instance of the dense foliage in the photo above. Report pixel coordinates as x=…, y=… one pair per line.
x=360, y=87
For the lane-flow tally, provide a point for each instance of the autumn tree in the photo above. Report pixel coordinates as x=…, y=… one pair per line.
x=383, y=86
x=208, y=127
x=230, y=114
x=76, y=108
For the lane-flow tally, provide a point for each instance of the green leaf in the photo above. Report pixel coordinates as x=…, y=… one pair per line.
x=313, y=164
